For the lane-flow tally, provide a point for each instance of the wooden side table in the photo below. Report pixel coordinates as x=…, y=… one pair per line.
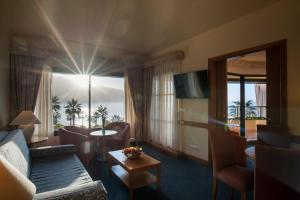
x=36, y=140
x=134, y=173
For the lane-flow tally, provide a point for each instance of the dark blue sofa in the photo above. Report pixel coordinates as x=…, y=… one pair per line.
x=56, y=171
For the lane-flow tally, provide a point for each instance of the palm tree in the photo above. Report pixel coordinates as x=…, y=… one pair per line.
x=116, y=118
x=249, y=109
x=95, y=117
x=73, y=108
x=56, y=108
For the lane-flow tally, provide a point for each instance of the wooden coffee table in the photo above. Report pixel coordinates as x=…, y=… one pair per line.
x=134, y=173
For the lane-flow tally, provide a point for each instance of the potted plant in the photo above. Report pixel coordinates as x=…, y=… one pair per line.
x=102, y=110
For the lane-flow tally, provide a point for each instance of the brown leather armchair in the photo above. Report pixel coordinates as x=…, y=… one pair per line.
x=119, y=140
x=85, y=144
x=229, y=161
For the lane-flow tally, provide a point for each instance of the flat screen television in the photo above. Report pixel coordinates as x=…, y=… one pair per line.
x=192, y=85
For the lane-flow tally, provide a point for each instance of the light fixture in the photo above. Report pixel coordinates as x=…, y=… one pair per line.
x=26, y=120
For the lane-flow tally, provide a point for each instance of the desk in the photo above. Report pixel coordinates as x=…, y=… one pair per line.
x=250, y=152
x=101, y=156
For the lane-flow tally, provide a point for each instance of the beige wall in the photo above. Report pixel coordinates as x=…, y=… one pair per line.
x=4, y=68
x=276, y=22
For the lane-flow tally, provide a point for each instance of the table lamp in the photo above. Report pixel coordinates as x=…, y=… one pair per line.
x=26, y=121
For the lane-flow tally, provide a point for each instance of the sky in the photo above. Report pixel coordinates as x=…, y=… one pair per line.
x=234, y=93
x=106, y=91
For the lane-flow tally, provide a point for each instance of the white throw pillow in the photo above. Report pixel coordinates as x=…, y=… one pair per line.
x=14, y=185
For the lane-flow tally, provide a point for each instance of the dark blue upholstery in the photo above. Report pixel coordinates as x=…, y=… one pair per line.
x=14, y=149
x=3, y=135
x=56, y=171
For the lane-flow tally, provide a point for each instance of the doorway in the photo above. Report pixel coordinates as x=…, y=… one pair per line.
x=246, y=93
x=275, y=80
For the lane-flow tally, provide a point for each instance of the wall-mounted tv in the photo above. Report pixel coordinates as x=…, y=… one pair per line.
x=192, y=85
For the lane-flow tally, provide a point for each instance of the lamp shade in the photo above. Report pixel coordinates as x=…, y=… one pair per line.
x=24, y=118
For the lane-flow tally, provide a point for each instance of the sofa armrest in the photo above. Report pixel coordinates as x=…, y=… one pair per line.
x=89, y=191
x=40, y=152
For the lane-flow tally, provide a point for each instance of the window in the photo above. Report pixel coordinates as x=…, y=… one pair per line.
x=71, y=99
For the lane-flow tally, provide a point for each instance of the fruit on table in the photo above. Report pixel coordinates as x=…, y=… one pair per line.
x=132, y=150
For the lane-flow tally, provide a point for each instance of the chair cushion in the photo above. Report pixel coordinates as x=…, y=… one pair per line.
x=238, y=177
x=58, y=172
x=15, y=150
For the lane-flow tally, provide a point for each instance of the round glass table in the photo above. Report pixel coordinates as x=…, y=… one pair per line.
x=101, y=153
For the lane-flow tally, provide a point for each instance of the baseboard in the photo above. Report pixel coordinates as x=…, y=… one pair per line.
x=165, y=150
x=194, y=158
x=177, y=154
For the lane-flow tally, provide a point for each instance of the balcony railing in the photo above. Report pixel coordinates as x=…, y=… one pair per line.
x=251, y=112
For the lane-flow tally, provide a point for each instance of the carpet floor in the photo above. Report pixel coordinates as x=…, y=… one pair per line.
x=181, y=179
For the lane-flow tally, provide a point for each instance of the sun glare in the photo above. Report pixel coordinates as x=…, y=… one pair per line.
x=81, y=80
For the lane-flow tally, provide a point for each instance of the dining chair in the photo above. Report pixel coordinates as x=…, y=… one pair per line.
x=229, y=162
x=277, y=174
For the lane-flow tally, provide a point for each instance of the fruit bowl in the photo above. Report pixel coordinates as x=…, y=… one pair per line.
x=132, y=152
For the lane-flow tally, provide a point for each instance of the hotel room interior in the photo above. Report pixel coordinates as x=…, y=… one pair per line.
x=149, y=99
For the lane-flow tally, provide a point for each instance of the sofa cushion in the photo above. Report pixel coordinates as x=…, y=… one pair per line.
x=3, y=134
x=58, y=172
x=15, y=150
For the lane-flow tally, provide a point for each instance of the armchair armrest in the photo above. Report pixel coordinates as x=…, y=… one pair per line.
x=40, y=152
x=89, y=191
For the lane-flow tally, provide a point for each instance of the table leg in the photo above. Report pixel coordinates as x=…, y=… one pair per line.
x=131, y=182
x=109, y=160
x=158, y=171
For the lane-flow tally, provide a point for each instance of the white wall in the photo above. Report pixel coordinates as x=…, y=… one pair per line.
x=4, y=67
x=276, y=22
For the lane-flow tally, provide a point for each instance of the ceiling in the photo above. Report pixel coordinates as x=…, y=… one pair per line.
x=249, y=64
x=118, y=28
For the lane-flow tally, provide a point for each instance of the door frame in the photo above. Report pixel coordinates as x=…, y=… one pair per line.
x=213, y=104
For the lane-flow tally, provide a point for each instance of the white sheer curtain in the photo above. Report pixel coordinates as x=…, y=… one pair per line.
x=163, y=111
x=261, y=97
x=43, y=108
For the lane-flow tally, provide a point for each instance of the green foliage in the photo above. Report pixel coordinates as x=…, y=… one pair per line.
x=102, y=110
x=56, y=108
x=249, y=109
x=95, y=117
x=116, y=118
x=73, y=108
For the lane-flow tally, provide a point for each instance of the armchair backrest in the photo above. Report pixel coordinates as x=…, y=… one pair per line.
x=81, y=130
x=122, y=128
x=83, y=143
x=277, y=174
x=273, y=136
x=227, y=149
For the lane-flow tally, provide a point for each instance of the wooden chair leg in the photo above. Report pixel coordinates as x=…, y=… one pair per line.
x=243, y=195
x=232, y=193
x=214, y=188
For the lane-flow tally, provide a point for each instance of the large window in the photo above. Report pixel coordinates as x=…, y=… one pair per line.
x=71, y=99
